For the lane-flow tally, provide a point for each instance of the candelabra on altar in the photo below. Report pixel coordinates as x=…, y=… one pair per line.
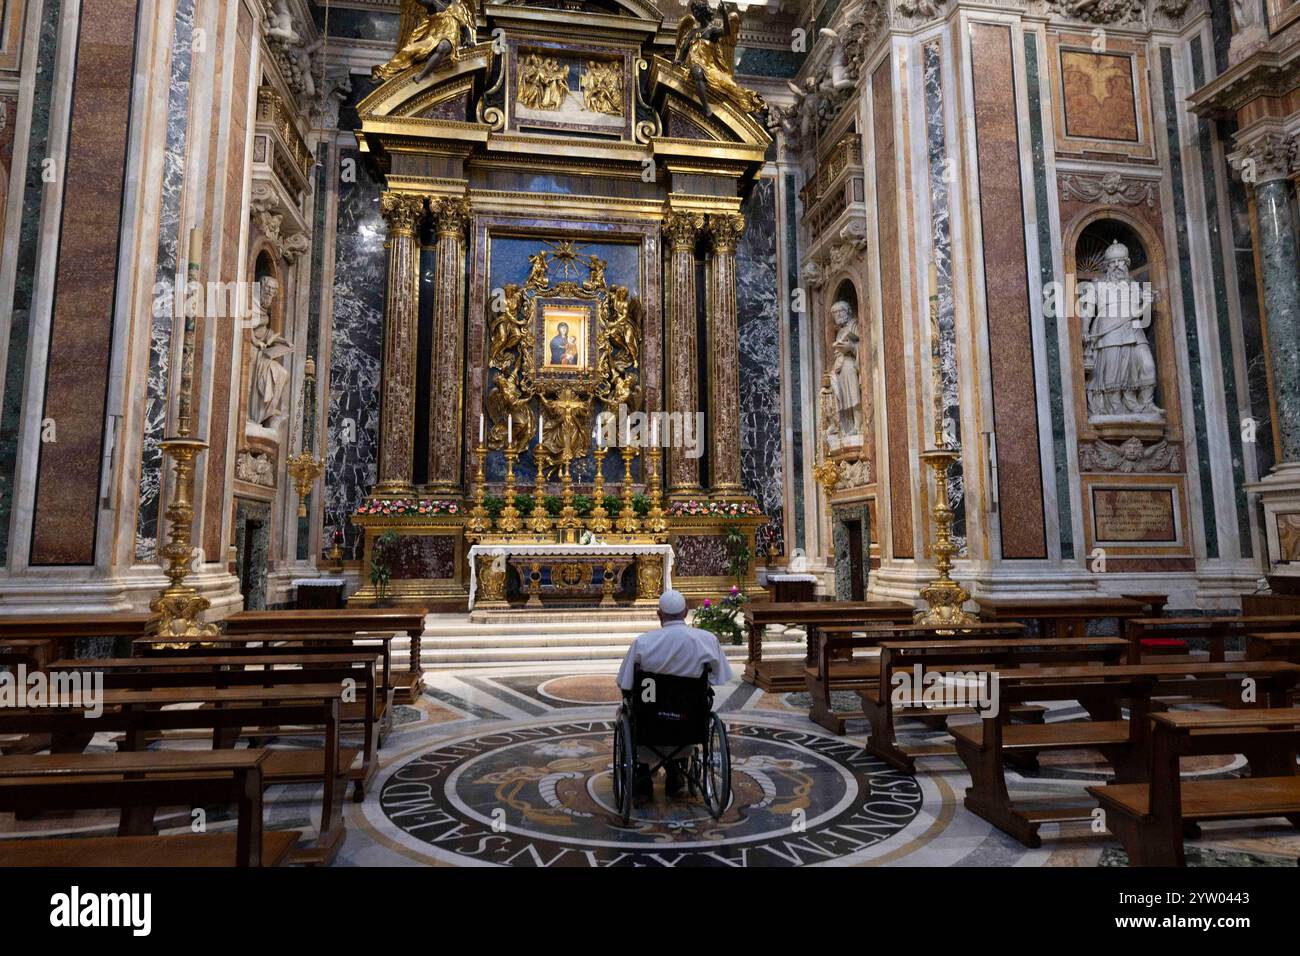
x=568, y=522
x=539, y=521
x=628, y=522
x=655, y=522
x=509, y=520
x=479, y=520
x=598, y=522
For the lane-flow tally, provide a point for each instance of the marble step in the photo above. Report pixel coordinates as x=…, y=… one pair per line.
x=439, y=654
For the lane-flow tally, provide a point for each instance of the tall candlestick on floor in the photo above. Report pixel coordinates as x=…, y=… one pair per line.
x=178, y=606
x=568, y=522
x=654, y=519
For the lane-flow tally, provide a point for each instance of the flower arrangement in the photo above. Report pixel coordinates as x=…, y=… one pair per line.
x=714, y=509
x=726, y=618
x=398, y=507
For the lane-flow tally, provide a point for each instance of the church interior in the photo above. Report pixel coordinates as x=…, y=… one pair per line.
x=942, y=355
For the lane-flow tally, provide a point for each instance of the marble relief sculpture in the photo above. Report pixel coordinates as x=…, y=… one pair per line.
x=269, y=378
x=1121, y=372
x=706, y=47
x=429, y=32
x=845, y=384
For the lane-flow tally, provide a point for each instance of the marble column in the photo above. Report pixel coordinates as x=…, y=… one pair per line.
x=724, y=356
x=680, y=232
x=446, y=370
x=403, y=213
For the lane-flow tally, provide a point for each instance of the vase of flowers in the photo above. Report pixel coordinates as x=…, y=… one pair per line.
x=725, y=618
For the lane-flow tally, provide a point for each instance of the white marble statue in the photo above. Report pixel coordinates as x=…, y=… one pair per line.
x=269, y=379
x=1248, y=31
x=844, y=372
x=1122, y=381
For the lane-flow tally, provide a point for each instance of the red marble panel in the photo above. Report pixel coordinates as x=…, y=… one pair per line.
x=215, y=493
x=81, y=330
x=891, y=307
x=1006, y=284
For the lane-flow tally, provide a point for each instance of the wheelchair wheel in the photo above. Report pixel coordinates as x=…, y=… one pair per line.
x=624, y=769
x=717, y=768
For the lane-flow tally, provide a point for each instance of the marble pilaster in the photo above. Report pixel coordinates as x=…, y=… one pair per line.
x=724, y=356
x=680, y=231
x=446, y=402
x=403, y=214
x=1280, y=268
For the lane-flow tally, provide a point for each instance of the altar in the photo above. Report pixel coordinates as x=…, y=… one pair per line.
x=572, y=575
x=556, y=198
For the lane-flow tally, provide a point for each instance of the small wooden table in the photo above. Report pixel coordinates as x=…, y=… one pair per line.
x=357, y=621
x=789, y=588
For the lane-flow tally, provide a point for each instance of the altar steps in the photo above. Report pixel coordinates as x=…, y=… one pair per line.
x=453, y=641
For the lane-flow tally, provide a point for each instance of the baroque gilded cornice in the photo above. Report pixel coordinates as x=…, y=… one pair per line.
x=450, y=215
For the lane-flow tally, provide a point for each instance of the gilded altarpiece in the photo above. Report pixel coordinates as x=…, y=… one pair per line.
x=538, y=163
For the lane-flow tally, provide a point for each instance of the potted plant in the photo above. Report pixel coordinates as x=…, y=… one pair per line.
x=738, y=554
x=725, y=618
x=381, y=574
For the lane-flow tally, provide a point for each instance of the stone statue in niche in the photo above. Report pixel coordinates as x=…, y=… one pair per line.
x=1120, y=370
x=269, y=379
x=845, y=384
x=1248, y=31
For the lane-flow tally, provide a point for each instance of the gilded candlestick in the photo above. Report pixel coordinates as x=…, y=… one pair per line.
x=599, y=522
x=627, y=519
x=479, y=521
x=509, y=521
x=539, y=521
x=568, y=522
x=943, y=596
x=655, y=522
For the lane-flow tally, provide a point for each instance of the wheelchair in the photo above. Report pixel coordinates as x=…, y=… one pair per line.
x=673, y=717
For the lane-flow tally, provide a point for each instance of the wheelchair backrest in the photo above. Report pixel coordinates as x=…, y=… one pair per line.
x=671, y=710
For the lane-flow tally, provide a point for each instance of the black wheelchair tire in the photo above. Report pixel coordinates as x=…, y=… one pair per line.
x=717, y=755
x=624, y=769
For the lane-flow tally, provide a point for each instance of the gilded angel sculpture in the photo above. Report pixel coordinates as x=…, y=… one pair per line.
x=429, y=32
x=706, y=47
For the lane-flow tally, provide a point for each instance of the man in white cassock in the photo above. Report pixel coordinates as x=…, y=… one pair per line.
x=675, y=649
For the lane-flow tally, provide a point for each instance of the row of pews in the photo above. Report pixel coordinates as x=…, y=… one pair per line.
x=278, y=698
x=1154, y=690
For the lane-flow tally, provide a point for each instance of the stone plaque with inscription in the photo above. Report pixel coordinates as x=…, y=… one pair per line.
x=1139, y=515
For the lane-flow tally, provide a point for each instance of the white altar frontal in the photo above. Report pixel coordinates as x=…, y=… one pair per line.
x=532, y=576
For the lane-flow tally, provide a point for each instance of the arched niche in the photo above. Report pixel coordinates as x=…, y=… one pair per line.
x=1086, y=241
x=843, y=288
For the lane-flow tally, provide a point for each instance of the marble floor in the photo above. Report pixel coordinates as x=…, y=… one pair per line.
x=510, y=766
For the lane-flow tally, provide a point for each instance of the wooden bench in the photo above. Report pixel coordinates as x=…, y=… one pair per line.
x=142, y=781
x=272, y=670
x=783, y=675
x=985, y=747
x=835, y=667
x=1274, y=646
x=1057, y=618
x=359, y=622
x=1215, y=629
x=1149, y=818
x=140, y=715
x=946, y=656
x=48, y=636
x=287, y=646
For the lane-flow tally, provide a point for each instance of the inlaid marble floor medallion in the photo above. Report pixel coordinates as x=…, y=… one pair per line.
x=542, y=795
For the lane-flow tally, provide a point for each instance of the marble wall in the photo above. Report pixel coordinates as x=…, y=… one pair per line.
x=26, y=254
x=252, y=550
x=759, y=317
x=169, y=273
x=360, y=272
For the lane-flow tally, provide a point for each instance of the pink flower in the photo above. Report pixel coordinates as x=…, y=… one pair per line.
x=708, y=603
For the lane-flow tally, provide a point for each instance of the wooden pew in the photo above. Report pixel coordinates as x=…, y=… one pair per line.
x=1149, y=817
x=835, y=667
x=273, y=671
x=1215, y=629
x=288, y=646
x=47, y=636
x=142, y=781
x=788, y=675
x=367, y=621
x=985, y=747
x=139, y=715
x=1057, y=618
x=943, y=656
x=1273, y=646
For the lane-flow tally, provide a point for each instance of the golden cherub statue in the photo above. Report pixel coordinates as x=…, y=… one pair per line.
x=429, y=32
x=706, y=47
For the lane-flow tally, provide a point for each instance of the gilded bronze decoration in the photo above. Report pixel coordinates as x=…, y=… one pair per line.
x=543, y=82
x=429, y=31
x=602, y=87
x=706, y=49
x=565, y=340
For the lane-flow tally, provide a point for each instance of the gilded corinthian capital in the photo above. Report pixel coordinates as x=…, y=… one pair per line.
x=450, y=215
x=681, y=229
x=402, y=212
x=725, y=230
